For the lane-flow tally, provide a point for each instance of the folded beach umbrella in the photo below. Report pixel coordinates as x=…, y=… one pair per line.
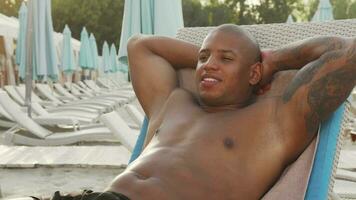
x=324, y=12
x=94, y=51
x=40, y=59
x=45, y=57
x=20, y=46
x=39, y=42
x=85, y=57
x=158, y=17
x=106, y=63
x=289, y=19
x=67, y=64
x=113, y=59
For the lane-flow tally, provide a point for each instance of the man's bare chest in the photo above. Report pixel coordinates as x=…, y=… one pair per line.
x=227, y=130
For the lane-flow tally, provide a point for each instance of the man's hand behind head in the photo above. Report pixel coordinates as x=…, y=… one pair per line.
x=268, y=71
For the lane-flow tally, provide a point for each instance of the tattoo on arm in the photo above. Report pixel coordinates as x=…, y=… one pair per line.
x=326, y=93
x=307, y=51
x=302, y=78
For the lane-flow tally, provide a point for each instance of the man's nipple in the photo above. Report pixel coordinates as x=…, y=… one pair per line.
x=228, y=143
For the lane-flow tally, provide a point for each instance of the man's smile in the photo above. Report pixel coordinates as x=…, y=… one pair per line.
x=209, y=80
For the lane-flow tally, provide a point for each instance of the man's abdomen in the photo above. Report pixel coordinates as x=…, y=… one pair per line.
x=188, y=172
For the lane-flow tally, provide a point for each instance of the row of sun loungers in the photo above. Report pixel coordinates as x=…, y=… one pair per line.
x=71, y=113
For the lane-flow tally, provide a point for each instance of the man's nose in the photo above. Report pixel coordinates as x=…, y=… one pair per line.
x=211, y=64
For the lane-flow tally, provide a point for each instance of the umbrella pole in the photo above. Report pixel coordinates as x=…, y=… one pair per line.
x=29, y=49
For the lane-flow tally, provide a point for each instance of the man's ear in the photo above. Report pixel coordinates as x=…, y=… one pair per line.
x=255, y=73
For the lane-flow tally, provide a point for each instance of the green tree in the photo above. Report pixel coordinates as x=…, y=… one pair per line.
x=243, y=11
x=10, y=7
x=276, y=11
x=102, y=18
x=352, y=10
x=219, y=13
x=340, y=8
x=194, y=13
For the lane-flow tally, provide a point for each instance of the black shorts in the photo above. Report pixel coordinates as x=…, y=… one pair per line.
x=89, y=195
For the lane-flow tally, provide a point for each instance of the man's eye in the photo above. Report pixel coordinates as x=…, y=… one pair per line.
x=227, y=58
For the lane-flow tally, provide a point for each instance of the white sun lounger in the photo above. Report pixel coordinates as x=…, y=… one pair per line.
x=119, y=128
x=43, y=118
x=125, y=93
x=91, y=84
x=102, y=104
x=20, y=90
x=6, y=120
x=93, y=100
x=111, y=97
x=135, y=114
x=84, y=110
x=29, y=132
x=10, y=89
x=78, y=91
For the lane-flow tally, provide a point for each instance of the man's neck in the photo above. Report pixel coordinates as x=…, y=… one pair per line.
x=226, y=107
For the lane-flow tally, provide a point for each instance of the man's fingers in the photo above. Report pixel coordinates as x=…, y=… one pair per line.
x=265, y=53
x=263, y=89
x=267, y=87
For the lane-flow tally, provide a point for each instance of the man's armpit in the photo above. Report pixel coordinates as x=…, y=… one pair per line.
x=186, y=79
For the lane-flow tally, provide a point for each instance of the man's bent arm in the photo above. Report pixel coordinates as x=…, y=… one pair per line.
x=153, y=62
x=297, y=55
x=323, y=83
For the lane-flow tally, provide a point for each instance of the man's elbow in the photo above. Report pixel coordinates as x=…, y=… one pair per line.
x=351, y=51
x=135, y=49
x=133, y=42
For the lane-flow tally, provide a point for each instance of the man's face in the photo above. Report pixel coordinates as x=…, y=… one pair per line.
x=222, y=77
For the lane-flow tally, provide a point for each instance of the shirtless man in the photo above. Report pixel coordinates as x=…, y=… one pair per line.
x=221, y=141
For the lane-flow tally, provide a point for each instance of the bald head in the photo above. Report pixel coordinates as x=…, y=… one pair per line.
x=248, y=45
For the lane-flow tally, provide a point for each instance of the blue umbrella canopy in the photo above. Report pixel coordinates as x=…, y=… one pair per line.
x=324, y=12
x=158, y=17
x=85, y=58
x=106, y=63
x=45, y=57
x=113, y=59
x=20, y=47
x=68, y=65
x=94, y=50
x=40, y=44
